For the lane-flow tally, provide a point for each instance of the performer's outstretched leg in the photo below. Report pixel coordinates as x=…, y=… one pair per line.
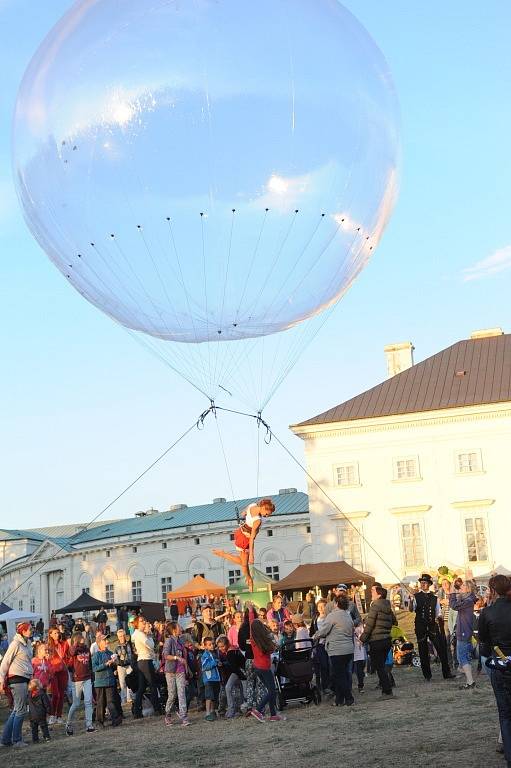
x=242, y=560
x=236, y=559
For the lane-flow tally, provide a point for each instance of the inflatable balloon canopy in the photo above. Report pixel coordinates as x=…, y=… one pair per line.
x=206, y=171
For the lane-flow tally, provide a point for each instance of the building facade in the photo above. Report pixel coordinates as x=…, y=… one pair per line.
x=414, y=472
x=144, y=557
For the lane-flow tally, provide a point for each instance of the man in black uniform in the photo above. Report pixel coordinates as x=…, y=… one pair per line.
x=495, y=632
x=427, y=611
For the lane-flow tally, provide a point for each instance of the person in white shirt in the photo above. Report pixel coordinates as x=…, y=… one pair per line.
x=94, y=647
x=143, y=644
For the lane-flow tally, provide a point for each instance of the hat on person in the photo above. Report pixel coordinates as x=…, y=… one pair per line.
x=23, y=626
x=426, y=577
x=343, y=587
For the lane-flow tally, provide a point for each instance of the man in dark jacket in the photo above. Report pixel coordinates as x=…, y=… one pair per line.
x=102, y=619
x=377, y=627
x=495, y=633
x=427, y=613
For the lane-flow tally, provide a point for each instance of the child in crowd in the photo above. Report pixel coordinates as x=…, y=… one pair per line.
x=301, y=632
x=232, y=634
x=389, y=663
x=273, y=626
x=81, y=674
x=38, y=708
x=103, y=664
x=359, y=657
x=232, y=663
x=288, y=632
x=41, y=666
x=211, y=678
x=175, y=667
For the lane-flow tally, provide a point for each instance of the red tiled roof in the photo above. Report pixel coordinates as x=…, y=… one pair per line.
x=470, y=372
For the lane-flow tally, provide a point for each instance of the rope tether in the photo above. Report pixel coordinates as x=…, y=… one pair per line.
x=61, y=546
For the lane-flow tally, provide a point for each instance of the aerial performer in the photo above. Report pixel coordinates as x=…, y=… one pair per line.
x=245, y=536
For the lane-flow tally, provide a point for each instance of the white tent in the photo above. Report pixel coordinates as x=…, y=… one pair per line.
x=13, y=617
x=498, y=569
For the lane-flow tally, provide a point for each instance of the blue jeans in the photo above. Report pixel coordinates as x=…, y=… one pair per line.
x=12, y=728
x=464, y=652
x=270, y=696
x=501, y=684
x=79, y=687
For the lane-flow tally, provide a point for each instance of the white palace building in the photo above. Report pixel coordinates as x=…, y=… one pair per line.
x=415, y=472
x=416, y=468
x=144, y=557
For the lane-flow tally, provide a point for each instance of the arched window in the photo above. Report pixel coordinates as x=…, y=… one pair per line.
x=306, y=555
x=199, y=566
x=271, y=560
x=135, y=575
x=31, y=598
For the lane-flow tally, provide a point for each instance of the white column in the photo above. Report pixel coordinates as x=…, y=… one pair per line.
x=44, y=593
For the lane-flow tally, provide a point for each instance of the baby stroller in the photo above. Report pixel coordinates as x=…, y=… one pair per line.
x=403, y=653
x=294, y=673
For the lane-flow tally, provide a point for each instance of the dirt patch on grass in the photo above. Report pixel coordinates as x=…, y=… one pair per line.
x=426, y=724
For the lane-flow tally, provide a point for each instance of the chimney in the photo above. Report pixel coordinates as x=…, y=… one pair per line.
x=399, y=357
x=486, y=333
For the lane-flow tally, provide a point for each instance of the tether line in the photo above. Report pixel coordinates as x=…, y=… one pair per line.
x=326, y=495
x=270, y=432
x=61, y=547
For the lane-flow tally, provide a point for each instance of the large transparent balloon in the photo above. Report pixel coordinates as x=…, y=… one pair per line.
x=207, y=170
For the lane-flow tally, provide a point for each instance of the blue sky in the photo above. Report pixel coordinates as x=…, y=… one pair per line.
x=84, y=409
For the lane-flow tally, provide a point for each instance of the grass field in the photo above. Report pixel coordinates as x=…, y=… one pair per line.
x=425, y=725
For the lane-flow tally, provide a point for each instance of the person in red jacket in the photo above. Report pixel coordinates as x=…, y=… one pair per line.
x=60, y=660
x=41, y=666
x=82, y=682
x=262, y=647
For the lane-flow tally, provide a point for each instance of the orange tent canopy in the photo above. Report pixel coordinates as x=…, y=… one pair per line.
x=197, y=586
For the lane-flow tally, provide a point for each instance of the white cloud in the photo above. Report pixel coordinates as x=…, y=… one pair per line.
x=499, y=261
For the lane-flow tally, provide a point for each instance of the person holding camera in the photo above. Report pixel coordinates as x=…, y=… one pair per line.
x=105, y=684
x=462, y=600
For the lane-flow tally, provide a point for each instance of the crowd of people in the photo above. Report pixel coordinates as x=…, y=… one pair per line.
x=218, y=657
